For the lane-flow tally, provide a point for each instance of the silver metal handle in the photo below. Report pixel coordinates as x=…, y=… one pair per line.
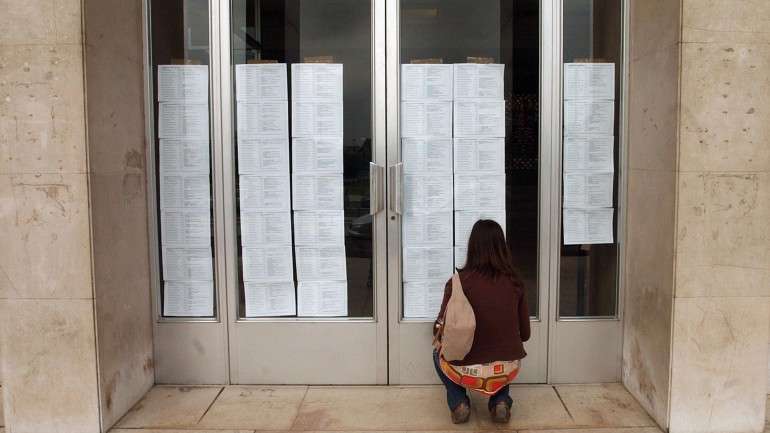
x=376, y=188
x=395, y=174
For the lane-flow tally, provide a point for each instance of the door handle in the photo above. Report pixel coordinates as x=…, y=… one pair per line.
x=395, y=179
x=376, y=188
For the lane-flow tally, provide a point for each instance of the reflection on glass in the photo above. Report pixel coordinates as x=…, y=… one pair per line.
x=180, y=55
x=504, y=32
x=588, y=271
x=328, y=235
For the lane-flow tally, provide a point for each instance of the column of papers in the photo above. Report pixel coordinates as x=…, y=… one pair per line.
x=185, y=191
x=262, y=125
x=317, y=189
x=426, y=151
x=588, y=163
x=479, y=150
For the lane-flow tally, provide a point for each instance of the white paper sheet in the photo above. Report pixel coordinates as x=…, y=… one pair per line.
x=427, y=155
x=474, y=80
x=263, y=155
x=269, y=299
x=317, y=155
x=465, y=219
x=265, y=193
x=189, y=156
x=185, y=190
x=589, y=81
x=589, y=152
x=460, y=255
x=321, y=262
x=322, y=298
x=187, y=263
x=268, y=263
x=426, y=119
x=260, y=82
x=183, y=83
x=422, y=299
x=427, y=192
x=589, y=117
x=265, y=228
x=262, y=119
x=185, y=227
x=316, y=118
x=313, y=192
x=426, y=81
x=188, y=298
x=479, y=155
x=316, y=228
x=588, y=226
x=183, y=120
x=479, y=118
x=582, y=190
x=431, y=263
x=423, y=228
x=479, y=191
x=317, y=81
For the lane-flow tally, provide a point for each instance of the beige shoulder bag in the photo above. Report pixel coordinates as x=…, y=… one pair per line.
x=459, y=324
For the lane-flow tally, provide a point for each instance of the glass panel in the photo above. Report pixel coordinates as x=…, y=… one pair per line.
x=180, y=59
x=485, y=125
x=591, y=86
x=303, y=98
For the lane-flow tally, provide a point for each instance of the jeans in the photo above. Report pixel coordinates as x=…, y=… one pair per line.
x=455, y=394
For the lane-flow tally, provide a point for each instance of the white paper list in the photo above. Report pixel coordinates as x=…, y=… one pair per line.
x=426, y=81
x=188, y=298
x=460, y=256
x=422, y=299
x=269, y=299
x=464, y=221
x=479, y=191
x=317, y=155
x=260, y=82
x=425, y=263
x=262, y=119
x=588, y=226
x=426, y=155
x=479, y=155
x=188, y=83
x=322, y=227
x=263, y=155
x=317, y=192
x=185, y=227
x=268, y=263
x=178, y=120
x=321, y=262
x=589, y=81
x=317, y=81
x=424, y=228
x=589, y=117
x=478, y=81
x=184, y=155
x=185, y=190
x=312, y=118
x=426, y=119
x=265, y=228
x=187, y=263
x=588, y=190
x=479, y=118
x=265, y=193
x=427, y=192
x=322, y=298
x=589, y=153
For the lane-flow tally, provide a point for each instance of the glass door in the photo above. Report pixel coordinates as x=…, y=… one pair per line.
x=465, y=142
x=304, y=86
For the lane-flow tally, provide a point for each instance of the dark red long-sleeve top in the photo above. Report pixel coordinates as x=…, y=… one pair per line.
x=502, y=317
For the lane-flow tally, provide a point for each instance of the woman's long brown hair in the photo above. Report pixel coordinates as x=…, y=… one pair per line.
x=488, y=254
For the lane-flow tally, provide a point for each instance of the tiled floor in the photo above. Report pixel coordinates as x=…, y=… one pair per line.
x=244, y=409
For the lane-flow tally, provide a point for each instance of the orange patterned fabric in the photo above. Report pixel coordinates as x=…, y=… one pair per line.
x=484, y=378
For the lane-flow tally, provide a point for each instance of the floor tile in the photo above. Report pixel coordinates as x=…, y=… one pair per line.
x=171, y=406
x=2, y=418
x=535, y=406
x=255, y=407
x=600, y=430
x=131, y=430
x=377, y=408
x=603, y=405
